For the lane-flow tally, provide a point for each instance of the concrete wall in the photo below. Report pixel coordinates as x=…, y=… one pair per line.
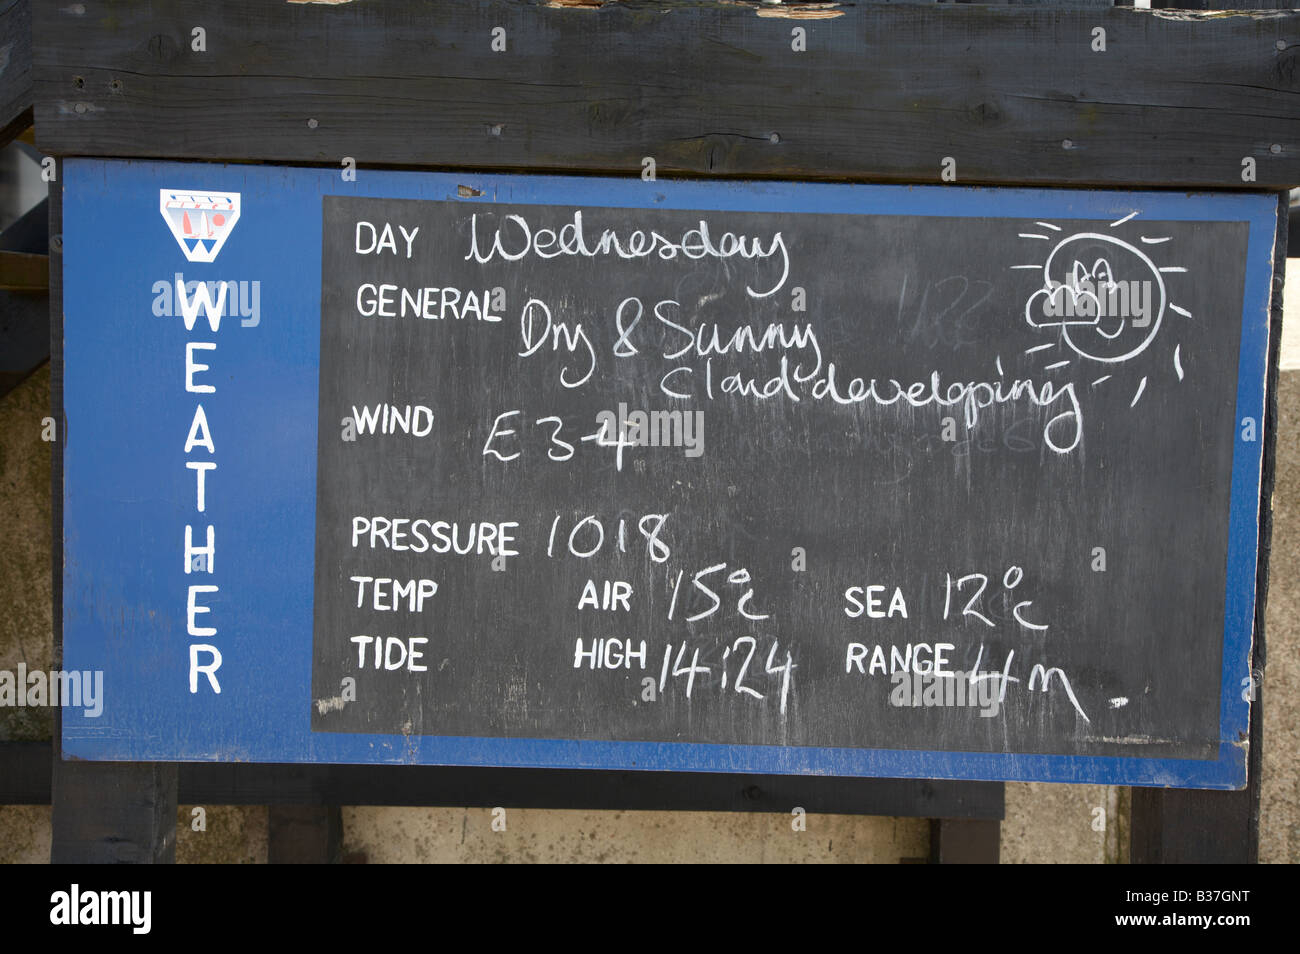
x=25, y=585
x=1279, y=824
x=455, y=834
x=1044, y=823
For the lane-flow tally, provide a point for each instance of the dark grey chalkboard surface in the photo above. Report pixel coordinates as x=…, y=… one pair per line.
x=1042, y=504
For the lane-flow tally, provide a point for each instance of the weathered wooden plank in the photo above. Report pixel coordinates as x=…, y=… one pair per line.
x=30, y=232
x=1219, y=4
x=24, y=336
x=1011, y=94
x=24, y=271
x=594, y=790
x=25, y=315
x=15, y=68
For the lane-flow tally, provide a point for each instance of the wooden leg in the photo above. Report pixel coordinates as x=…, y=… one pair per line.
x=113, y=812
x=1186, y=826
x=958, y=841
x=304, y=835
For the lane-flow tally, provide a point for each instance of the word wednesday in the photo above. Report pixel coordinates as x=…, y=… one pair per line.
x=75, y=907
x=520, y=240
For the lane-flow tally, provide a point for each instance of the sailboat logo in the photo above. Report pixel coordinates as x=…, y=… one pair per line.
x=200, y=221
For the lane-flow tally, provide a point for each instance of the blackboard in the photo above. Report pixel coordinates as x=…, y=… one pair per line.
x=861, y=480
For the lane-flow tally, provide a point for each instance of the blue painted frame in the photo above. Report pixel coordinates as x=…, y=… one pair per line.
x=127, y=415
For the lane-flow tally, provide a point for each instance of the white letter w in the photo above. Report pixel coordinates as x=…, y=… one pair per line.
x=202, y=298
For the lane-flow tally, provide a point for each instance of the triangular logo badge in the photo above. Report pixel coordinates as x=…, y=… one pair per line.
x=199, y=221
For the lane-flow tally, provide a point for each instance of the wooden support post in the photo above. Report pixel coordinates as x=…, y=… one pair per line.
x=1189, y=826
x=1186, y=826
x=963, y=841
x=113, y=812
x=304, y=835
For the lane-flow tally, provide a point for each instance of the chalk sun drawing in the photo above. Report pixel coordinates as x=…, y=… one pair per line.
x=1104, y=296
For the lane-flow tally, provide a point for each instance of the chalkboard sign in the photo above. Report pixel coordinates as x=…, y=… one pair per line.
x=764, y=477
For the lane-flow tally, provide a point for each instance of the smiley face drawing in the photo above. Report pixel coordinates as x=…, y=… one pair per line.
x=1106, y=296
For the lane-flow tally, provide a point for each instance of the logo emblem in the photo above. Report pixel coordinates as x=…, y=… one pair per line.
x=200, y=221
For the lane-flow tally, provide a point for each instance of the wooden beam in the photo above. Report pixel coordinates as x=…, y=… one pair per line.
x=582, y=789
x=15, y=68
x=1219, y=4
x=24, y=272
x=24, y=779
x=24, y=336
x=30, y=232
x=1012, y=94
x=25, y=314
